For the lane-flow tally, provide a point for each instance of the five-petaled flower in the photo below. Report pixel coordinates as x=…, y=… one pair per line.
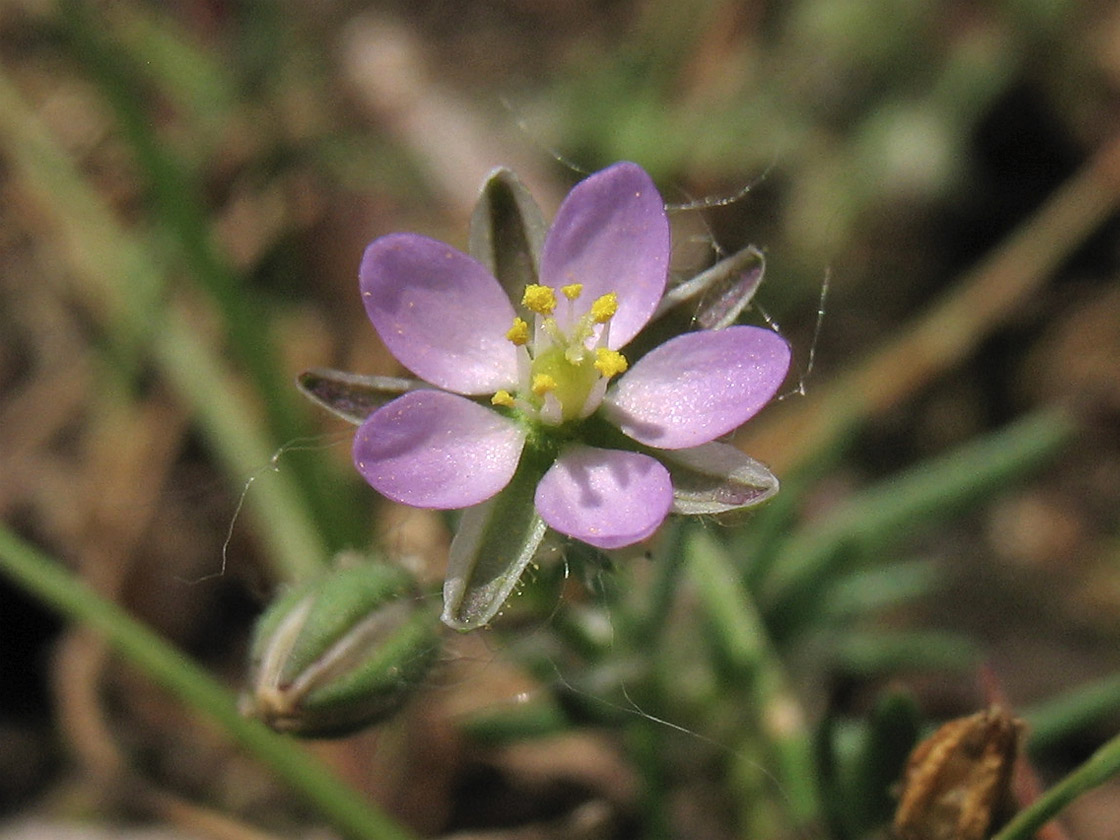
x=555, y=386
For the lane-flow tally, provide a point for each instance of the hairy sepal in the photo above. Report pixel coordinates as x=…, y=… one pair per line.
x=352, y=396
x=717, y=478
x=493, y=544
x=340, y=652
x=717, y=296
x=507, y=232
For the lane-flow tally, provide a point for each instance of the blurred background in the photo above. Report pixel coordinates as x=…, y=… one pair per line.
x=187, y=187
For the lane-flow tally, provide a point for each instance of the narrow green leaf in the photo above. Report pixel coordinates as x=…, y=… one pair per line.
x=891, y=733
x=867, y=591
x=1102, y=766
x=740, y=640
x=1073, y=712
x=890, y=511
x=880, y=652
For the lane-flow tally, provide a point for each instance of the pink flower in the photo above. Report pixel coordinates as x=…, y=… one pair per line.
x=544, y=383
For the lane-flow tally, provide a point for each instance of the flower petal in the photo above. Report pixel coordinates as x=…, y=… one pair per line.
x=698, y=386
x=431, y=449
x=439, y=312
x=605, y=497
x=612, y=235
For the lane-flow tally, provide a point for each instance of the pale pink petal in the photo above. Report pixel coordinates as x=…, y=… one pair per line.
x=612, y=235
x=698, y=386
x=604, y=497
x=440, y=313
x=432, y=449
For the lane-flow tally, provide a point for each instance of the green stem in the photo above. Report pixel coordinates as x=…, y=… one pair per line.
x=1074, y=711
x=178, y=205
x=1101, y=766
x=894, y=508
x=119, y=279
x=741, y=640
x=664, y=589
x=647, y=747
x=46, y=579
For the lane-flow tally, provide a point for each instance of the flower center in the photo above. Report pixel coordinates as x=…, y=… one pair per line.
x=569, y=362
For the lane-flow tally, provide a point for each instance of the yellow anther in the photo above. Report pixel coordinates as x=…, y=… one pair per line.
x=502, y=398
x=543, y=384
x=519, y=332
x=610, y=362
x=603, y=309
x=539, y=299
x=572, y=291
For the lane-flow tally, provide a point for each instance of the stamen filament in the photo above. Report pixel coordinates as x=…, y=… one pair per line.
x=565, y=372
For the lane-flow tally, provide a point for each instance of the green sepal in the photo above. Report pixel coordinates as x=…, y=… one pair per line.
x=352, y=396
x=716, y=479
x=712, y=300
x=341, y=652
x=708, y=480
x=718, y=295
x=493, y=544
x=507, y=232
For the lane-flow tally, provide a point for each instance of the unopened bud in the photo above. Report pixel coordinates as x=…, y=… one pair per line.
x=340, y=652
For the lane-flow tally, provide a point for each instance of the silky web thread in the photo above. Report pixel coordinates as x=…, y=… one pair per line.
x=311, y=443
x=803, y=375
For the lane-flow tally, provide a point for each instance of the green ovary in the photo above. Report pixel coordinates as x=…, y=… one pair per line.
x=573, y=381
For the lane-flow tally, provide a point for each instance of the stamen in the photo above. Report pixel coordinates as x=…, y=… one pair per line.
x=543, y=384
x=551, y=411
x=610, y=362
x=519, y=332
x=603, y=309
x=551, y=329
x=568, y=363
x=539, y=299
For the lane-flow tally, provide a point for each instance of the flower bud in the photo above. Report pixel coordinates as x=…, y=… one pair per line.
x=340, y=652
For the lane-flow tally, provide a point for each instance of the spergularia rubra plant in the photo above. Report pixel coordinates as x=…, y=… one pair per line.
x=531, y=411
